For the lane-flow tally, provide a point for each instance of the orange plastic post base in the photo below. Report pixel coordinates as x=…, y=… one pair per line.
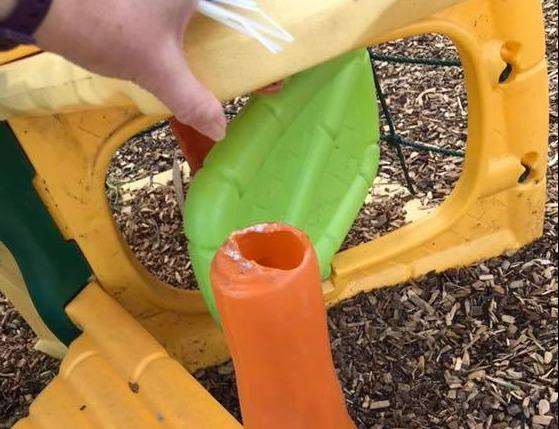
x=194, y=145
x=266, y=283
x=274, y=88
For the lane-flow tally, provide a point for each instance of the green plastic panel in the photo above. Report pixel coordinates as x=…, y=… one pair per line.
x=54, y=270
x=305, y=156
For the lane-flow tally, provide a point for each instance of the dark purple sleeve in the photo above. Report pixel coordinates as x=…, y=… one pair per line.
x=19, y=27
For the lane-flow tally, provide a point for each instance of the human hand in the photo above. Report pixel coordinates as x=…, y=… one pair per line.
x=137, y=40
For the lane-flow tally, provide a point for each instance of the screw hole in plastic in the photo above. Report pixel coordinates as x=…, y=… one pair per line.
x=510, y=54
x=506, y=73
x=529, y=163
x=525, y=174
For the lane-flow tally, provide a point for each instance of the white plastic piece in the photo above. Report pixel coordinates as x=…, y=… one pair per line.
x=47, y=83
x=264, y=32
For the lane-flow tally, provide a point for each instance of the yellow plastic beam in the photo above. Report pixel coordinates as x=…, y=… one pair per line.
x=116, y=375
x=322, y=29
x=488, y=213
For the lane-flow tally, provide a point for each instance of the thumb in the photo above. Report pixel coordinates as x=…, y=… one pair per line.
x=172, y=81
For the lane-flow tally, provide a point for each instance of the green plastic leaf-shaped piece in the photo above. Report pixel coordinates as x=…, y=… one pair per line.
x=305, y=156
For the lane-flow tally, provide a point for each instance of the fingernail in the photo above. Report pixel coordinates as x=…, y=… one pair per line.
x=215, y=131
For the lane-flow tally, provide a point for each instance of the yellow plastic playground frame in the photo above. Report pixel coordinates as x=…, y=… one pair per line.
x=489, y=212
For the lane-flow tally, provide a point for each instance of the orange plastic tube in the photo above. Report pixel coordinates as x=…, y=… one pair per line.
x=267, y=289
x=194, y=145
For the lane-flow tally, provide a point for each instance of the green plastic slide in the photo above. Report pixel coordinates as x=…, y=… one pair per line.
x=305, y=156
x=54, y=270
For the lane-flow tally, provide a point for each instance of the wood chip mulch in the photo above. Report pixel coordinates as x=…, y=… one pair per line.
x=474, y=347
x=146, y=154
x=152, y=226
x=24, y=372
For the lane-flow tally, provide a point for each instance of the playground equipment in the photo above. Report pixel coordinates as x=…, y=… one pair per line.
x=123, y=312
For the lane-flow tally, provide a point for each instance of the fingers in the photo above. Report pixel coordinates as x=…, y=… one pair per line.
x=174, y=84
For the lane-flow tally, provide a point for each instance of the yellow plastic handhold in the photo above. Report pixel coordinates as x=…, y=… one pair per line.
x=489, y=211
x=116, y=375
x=18, y=53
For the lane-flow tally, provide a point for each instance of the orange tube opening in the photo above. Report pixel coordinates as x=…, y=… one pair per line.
x=280, y=250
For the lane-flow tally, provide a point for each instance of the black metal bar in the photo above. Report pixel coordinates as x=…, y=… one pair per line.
x=417, y=61
x=392, y=128
x=422, y=147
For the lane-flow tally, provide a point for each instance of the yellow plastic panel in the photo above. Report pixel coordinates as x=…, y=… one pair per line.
x=116, y=375
x=489, y=212
x=75, y=198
